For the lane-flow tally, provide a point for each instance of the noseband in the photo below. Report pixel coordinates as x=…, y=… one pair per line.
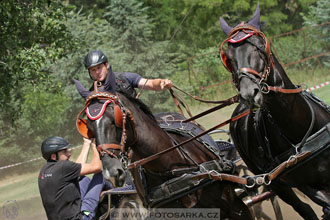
x=120, y=115
x=264, y=87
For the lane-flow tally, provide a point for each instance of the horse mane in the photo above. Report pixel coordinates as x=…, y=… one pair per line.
x=139, y=104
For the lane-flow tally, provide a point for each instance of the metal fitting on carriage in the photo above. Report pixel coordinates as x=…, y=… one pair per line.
x=214, y=174
x=259, y=180
x=263, y=180
x=288, y=162
x=251, y=182
x=196, y=182
x=248, y=201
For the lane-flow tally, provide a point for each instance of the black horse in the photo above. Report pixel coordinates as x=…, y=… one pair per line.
x=284, y=120
x=134, y=126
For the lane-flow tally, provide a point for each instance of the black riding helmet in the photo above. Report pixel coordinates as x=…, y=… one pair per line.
x=52, y=145
x=94, y=58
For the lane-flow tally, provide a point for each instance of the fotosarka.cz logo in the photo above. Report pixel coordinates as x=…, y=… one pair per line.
x=10, y=209
x=166, y=213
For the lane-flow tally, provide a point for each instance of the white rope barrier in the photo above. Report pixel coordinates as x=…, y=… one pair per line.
x=29, y=161
x=318, y=86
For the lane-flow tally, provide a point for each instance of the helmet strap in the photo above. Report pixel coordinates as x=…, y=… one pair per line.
x=90, y=75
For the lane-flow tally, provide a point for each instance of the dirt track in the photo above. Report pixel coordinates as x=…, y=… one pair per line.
x=287, y=211
x=32, y=210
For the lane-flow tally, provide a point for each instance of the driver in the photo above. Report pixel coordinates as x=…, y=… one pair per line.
x=65, y=191
x=99, y=69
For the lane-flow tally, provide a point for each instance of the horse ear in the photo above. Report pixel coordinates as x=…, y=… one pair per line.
x=225, y=27
x=81, y=89
x=255, y=21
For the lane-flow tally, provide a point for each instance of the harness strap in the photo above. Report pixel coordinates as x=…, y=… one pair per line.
x=220, y=176
x=103, y=148
x=266, y=88
x=286, y=164
x=249, y=70
x=279, y=89
x=251, y=181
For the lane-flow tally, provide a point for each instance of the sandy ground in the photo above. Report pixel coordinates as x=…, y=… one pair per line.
x=287, y=212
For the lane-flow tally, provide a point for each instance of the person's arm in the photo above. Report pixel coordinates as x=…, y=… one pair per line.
x=95, y=165
x=82, y=158
x=155, y=84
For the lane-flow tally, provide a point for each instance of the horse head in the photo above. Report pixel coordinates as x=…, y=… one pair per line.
x=248, y=57
x=106, y=122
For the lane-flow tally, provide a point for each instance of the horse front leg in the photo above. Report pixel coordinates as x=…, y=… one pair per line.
x=320, y=197
x=289, y=196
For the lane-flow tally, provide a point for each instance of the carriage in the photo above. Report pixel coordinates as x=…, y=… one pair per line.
x=277, y=128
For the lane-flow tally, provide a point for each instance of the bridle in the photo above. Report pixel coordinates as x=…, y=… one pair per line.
x=120, y=115
x=247, y=72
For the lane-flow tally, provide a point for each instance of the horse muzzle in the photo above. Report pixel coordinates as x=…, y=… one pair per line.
x=250, y=93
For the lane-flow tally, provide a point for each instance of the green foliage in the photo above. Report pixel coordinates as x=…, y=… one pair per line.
x=33, y=36
x=319, y=15
x=95, y=7
x=37, y=37
x=44, y=109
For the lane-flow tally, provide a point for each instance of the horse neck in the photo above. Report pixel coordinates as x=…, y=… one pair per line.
x=280, y=77
x=151, y=138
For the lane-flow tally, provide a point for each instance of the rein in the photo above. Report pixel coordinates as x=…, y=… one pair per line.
x=223, y=103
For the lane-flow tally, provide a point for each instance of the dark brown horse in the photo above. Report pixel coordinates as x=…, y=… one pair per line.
x=285, y=121
x=135, y=129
